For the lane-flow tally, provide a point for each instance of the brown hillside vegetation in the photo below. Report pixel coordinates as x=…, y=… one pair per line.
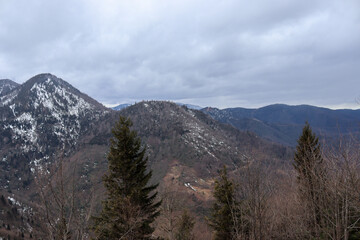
x=186, y=150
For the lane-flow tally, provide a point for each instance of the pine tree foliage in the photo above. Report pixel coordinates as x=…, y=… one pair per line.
x=308, y=160
x=131, y=205
x=185, y=228
x=224, y=215
x=308, y=163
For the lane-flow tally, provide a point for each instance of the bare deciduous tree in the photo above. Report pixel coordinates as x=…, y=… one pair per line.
x=342, y=204
x=171, y=207
x=64, y=212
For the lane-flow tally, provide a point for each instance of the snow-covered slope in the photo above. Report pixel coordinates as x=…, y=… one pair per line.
x=40, y=118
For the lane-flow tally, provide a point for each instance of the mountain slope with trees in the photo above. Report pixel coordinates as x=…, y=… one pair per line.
x=283, y=123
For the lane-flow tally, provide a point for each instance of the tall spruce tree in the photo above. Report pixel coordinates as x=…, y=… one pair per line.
x=224, y=212
x=131, y=205
x=308, y=163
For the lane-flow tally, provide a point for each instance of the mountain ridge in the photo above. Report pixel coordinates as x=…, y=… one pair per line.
x=283, y=123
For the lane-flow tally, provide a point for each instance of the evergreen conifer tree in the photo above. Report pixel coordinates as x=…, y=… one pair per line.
x=131, y=205
x=308, y=163
x=224, y=210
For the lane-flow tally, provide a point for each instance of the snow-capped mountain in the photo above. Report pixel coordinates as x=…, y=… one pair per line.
x=41, y=117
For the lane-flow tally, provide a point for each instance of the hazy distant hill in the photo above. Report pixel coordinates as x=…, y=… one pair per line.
x=283, y=123
x=125, y=105
x=121, y=106
x=191, y=106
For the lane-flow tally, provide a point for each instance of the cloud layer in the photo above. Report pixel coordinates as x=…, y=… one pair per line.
x=211, y=53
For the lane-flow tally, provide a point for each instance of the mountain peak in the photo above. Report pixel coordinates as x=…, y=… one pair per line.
x=6, y=86
x=46, y=86
x=46, y=107
x=44, y=76
x=46, y=79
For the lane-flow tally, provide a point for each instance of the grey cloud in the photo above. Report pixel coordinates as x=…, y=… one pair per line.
x=219, y=53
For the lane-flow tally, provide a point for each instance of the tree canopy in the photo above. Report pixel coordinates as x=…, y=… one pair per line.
x=131, y=205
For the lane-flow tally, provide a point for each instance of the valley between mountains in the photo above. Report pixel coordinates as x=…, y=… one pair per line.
x=48, y=126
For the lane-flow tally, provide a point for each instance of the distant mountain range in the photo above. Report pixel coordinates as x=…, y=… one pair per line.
x=191, y=106
x=282, y=123
x=125, y=105
x=121, y=106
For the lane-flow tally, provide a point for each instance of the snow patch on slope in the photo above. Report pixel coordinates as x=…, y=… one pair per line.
x=54, y=100
x=198, y=137
x=27, y=129
x=7, y=99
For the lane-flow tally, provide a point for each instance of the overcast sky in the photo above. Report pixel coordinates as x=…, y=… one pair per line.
x=221, y=53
